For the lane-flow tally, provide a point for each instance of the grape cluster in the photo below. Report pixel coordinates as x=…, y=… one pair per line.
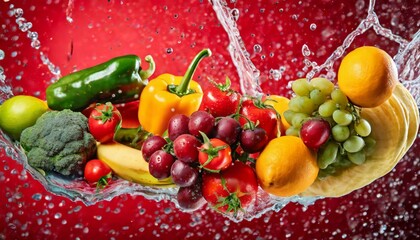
x=349, y=140
x=177, y=154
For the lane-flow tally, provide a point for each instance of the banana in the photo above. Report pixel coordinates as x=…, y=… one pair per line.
x=395, y=126
x=128, y=163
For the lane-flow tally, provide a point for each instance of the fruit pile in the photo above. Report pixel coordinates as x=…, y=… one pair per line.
x=326, y=120
x=217, y=146
x=197, y=149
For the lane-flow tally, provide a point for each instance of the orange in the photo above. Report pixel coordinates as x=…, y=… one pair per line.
x=280, y=104
x=286, y=167
x=368, y=76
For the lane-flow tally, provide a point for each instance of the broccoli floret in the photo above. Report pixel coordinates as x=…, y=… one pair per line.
x=59, y=141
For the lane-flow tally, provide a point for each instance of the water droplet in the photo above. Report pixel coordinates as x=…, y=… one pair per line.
x=167, y=210
x=235, y=14
x=305, y=50
x=275, y=74
x=257, y=48
x=1, y=55
x=312, y=26
x=69, y=19
x=169, y=50
x=57, y=215
x=25, y=26
x=18, y=12
x=36, y=44
x=32, y=35
x=360, y=4
x=20, y=21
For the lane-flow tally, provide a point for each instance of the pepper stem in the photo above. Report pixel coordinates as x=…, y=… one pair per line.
x=182, y=88
x=145, y=74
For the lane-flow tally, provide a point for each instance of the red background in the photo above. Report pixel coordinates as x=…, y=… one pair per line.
x=173, y=31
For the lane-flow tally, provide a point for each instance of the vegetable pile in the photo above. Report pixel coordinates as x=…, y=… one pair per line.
x=215, y=145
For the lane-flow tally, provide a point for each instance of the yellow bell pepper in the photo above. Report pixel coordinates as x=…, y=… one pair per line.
x=168, y=95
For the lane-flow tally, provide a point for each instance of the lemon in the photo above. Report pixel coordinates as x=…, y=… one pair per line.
x=286, y=167
x=367, y=76
x=20, y=112
x=280, y=104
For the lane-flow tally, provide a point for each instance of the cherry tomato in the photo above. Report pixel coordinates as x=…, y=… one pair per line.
x=262, y=115
x=103, y=122
x=232, y=189
x=215, y=155
x=97, y=173
x=220, y=100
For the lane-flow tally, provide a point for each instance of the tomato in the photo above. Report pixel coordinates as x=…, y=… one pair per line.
x=232, y=189
x=215, y=155
x=103, y=122
x=97, y=173
x=220, y=100
x=261, y=114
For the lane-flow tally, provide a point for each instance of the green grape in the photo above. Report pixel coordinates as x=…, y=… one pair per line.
x=353, y=144
x=362, y=127
x=370, y=145
x=323, y=173
x=301, y=87
x=342, y=162
x=292, y=131
x=357, y=157
x=317, y=97
x=340, y=98
x=327, y=108
x=340, y=133
x=308, y=105
x=327, y=154
x=323, y=84
x=298, y=119
x=288, y=115
x=342, y=117
x=330, y=120
x=295, y=104
x=301, y=104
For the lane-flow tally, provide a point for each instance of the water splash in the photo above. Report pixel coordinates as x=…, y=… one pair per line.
x=407, y=59
x=25, y=26
x=371, y=21
x=248, y=73
x=69, y=11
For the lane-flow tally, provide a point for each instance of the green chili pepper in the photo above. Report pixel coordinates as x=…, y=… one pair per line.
x=120, y=79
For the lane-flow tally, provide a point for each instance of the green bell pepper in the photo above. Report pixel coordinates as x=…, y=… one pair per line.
x=118, y=80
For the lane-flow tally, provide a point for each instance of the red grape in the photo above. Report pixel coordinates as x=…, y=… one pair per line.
x=191, y=198
x=183, y=174
x=201, y=121
x=186, y=148
x=253, y=140
x=228, y=130
x=151, y=145
x=160, y=164
x=177, y=126
x=315, y=132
